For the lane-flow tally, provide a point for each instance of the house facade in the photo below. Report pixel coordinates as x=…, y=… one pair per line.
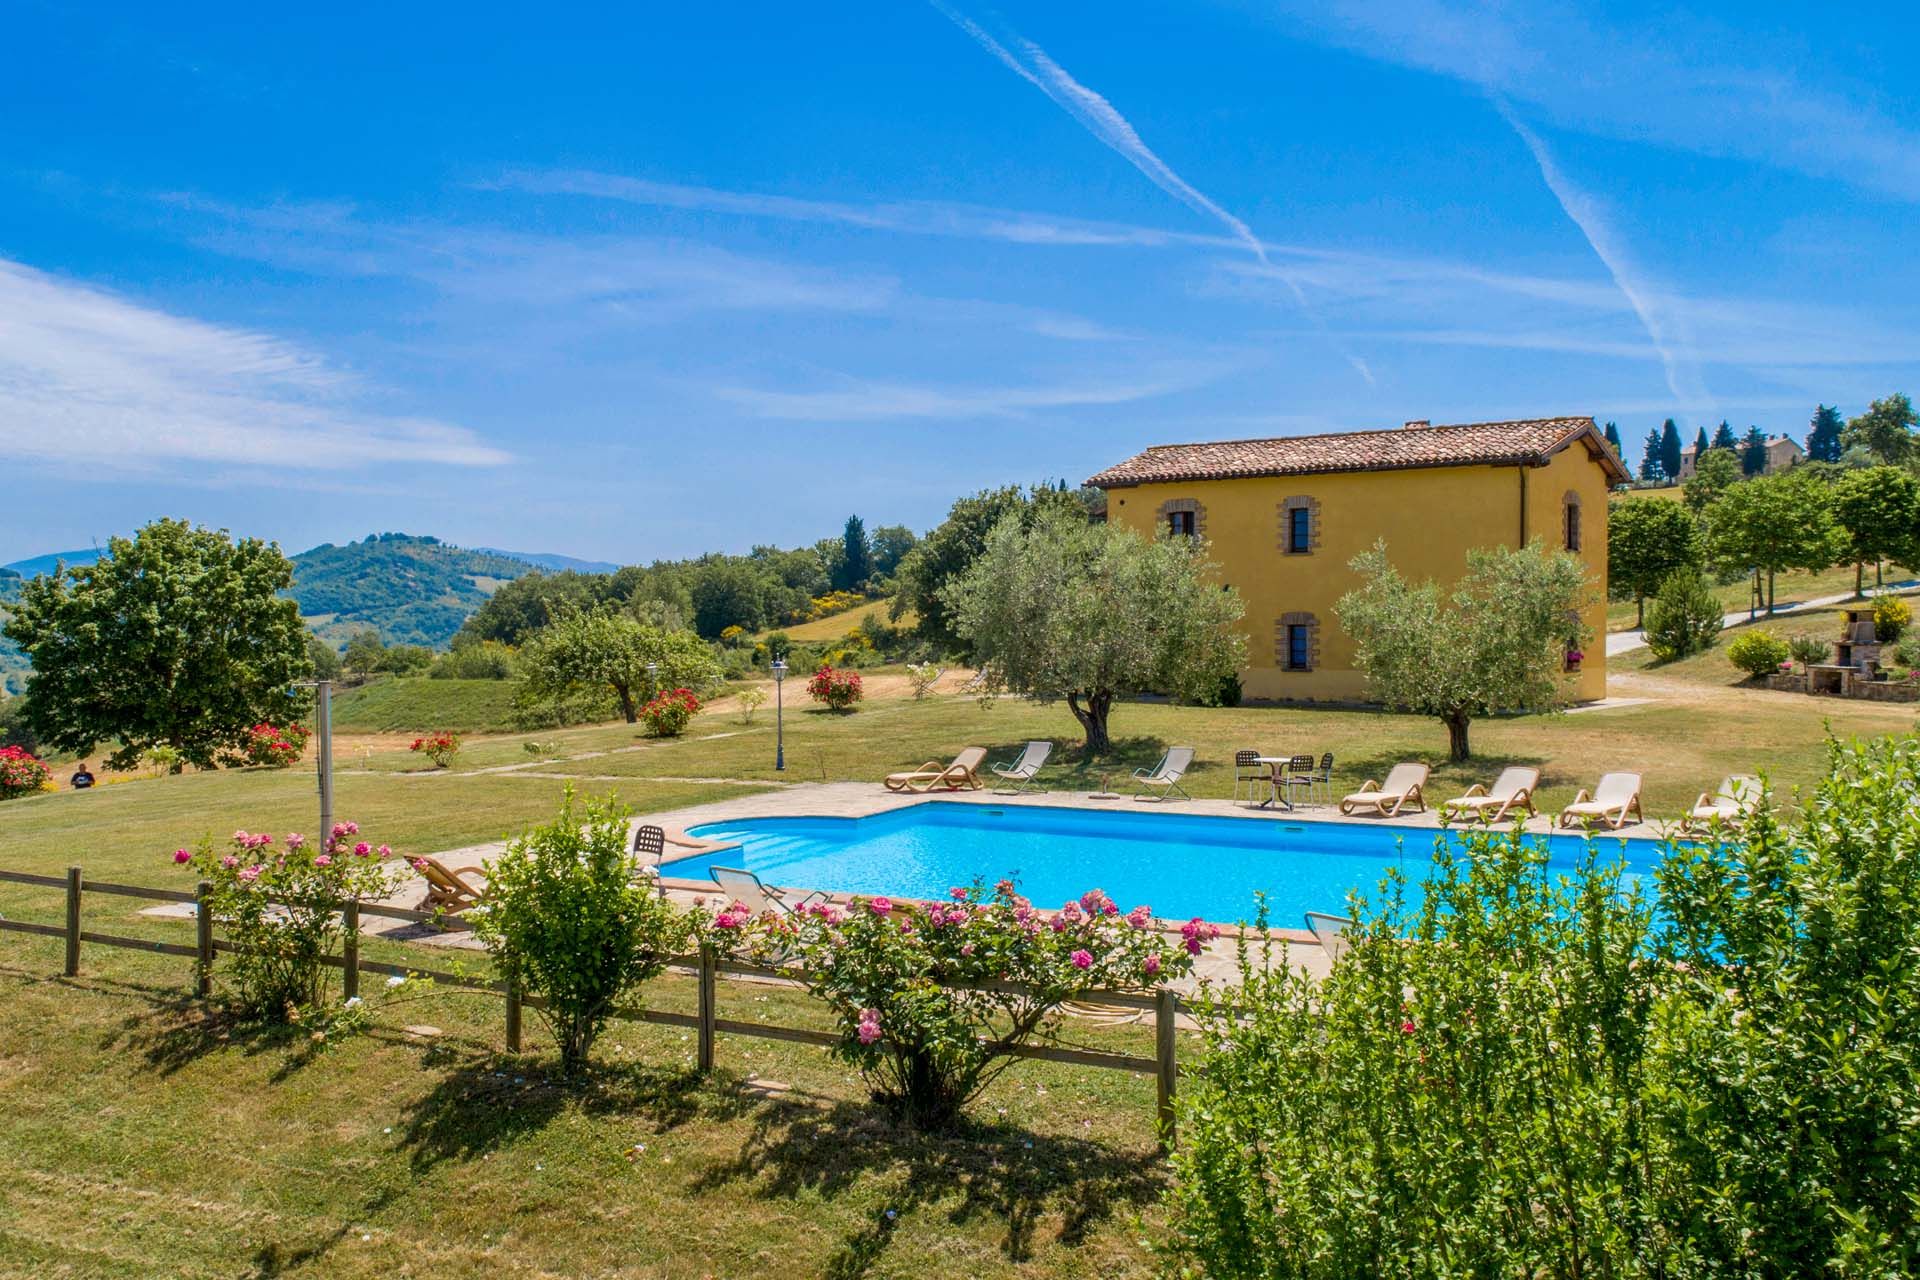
x=1283, y=518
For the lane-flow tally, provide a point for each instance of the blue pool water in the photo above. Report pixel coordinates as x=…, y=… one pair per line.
x=1180, y=865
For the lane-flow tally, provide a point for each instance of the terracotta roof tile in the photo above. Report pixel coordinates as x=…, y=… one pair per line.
x=1400, y=448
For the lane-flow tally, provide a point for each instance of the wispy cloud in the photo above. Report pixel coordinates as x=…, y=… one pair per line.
x=1100, y=119
x=866, y=400
x=1749, y=91
x=1668, y=334
x=85, y=374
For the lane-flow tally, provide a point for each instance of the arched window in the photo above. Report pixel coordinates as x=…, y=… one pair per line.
x=1570, y=521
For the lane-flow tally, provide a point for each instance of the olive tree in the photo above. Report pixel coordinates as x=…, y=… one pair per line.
x=580, y=655
x=1495, y=642
x=1060, y=607
x=178, y=637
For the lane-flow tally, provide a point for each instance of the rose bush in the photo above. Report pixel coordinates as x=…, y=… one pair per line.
x=669, y=712
x=932, y=999
x=21, y=773
x=280, y=907
x=440, y=748
x=838, y=689
x=270, y=746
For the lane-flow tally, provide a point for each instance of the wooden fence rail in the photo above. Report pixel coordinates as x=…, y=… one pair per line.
x=706, y=969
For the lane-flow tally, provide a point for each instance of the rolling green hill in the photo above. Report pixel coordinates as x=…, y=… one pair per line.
x=412, y=590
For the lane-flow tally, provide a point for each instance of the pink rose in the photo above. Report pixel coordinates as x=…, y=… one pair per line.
x=362, y=849
x=1082, y=960
x=229, y=862
x=323, y=861
x=881, y=906
x=957, y=894
x=295, y=840
x=385, y=851
x=1140, y=917
x=1153, y=965
x=252, y=873
x=1406, y=1028
x=181, y=855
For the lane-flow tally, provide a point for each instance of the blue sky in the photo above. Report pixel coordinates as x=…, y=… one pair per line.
x=699, y=277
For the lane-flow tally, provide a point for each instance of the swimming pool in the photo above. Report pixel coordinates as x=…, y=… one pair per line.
x=1180, y=865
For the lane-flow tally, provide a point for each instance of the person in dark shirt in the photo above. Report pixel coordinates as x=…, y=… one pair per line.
x=82, y=779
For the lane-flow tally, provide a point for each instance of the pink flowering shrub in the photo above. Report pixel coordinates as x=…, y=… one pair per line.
x=279, y=902
x=838, y=688
x=932, y=999
x=21, y=773
x=270, y=746
x=669, y=712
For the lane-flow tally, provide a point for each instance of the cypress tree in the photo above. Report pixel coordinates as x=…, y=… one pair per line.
x=1723, y=437
x=1613, y=438
x=1700, y=446
x=1670, y=449
x=856, y=558
x=1823, y=435
x=1753, y=454
x=1651, y=470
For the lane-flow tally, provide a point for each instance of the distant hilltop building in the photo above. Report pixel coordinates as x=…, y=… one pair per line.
x=1284, y=516
x=1782, y=452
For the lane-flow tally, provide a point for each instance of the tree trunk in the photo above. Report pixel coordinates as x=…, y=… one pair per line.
x=627, y=708
x=1860, y=579
x=1457, y=748
x=1093, y=720
x=1639, y=613
x=1769, y=591
x=1879, y=572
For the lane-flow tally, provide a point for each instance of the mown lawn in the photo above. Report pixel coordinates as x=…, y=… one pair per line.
x=1788, y=588
x=138, y=1138
x=419, y=703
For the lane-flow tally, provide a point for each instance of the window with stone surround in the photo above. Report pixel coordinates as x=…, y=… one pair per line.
x=1299, y=525
x=1184, y=517
x=1570, y=521
x=1296, y=641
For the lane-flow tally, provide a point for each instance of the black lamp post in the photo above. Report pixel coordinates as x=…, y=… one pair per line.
x=779, y=719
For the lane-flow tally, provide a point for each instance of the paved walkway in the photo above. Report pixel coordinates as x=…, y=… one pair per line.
x=1619, y=642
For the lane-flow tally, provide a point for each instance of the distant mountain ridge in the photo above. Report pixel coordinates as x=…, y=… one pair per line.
x=554, y=561
x=34, y=566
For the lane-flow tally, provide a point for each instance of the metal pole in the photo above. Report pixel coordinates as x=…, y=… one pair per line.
x=779, y=724
x=323, y=732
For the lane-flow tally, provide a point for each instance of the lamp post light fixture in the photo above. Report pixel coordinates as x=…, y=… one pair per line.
x=653, y=681
x=323, y=749
x=779, y=719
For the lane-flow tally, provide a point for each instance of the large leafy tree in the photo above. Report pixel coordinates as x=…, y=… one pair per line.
x=1823, y=435
x=1885, y=430
x=890, y=543
x=1878, y=511
x=1773, y=523
x=1494, y=642
x=179, y=636
x=1670, y=449
x=1064, y=608
x=1713, y=472
x=581, y=655
x=947, y=553
x=1647, y=539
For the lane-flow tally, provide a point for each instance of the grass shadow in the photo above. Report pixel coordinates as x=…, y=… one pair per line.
x=994, y=1169
x=482, y=1102
x=180, y=1030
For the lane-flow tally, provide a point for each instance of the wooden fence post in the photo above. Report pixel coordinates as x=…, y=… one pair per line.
x=203, y=939
x=350, y=954
x=709, y=970
x=73, y=922
x=1165, y=1008
x=513, y=1014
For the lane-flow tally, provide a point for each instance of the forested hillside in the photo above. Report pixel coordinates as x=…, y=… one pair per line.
x=412, y=590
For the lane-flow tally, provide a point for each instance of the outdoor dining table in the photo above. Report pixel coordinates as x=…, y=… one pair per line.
x=1274, y=764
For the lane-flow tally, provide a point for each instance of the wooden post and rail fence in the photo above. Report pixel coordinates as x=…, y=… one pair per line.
x=706, y=968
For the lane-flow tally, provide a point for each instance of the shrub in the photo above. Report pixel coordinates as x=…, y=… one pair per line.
x=1759, y=652
x=22, y=773
x=479, y=660
x=162, y=760
x=921, y=675
x=266, y=746
x=1683, y=618
x=751, y=699
x=566, y=920
x=1807, y=650
x=1709, y=1073
x=441, y=748
x=933, y=999
x=1891, y=615
x=668, y=713
x=281, y=910
x=1908, y=652
x=837, y=688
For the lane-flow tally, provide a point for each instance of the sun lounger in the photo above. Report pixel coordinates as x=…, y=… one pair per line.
x=1331, y=933
x=1511, y=792
x=1617, y=796
x=1166, y=775
x=961, y=773
x=448, y=888
x=1386, y=799
x=1018, y=776
x=745, y=888
x=1739, y=795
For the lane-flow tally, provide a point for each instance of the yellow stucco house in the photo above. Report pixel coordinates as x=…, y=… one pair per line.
x=1284, y=517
